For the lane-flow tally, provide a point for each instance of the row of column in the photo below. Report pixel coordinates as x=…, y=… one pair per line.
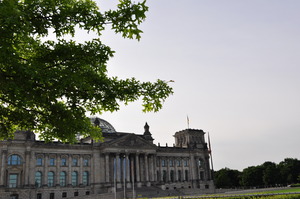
x=131, y=167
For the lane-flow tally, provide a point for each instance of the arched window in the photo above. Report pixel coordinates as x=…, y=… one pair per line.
x=62, y=178
x=179, y=175
x=186, y=175
x=165, y=176
x=38, y=179
x=172, y=175
x=163, y=163
x=74, y=178
x=85, y=178
x=14, y=160
x=50, y=179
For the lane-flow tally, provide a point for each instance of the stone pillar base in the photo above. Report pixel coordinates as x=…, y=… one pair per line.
x=148, y=184
x=139, y=184
x=128, y=185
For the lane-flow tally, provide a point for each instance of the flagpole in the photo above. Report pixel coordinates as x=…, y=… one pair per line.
x=188, y=121
x=211, y=158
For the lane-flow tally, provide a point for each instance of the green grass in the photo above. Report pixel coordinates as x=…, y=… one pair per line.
x=250, y=195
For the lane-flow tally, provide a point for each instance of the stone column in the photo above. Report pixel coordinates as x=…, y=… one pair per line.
x=168, y=170
x=137, y=167
x=27, y=166
x=176, y=170
x=192, y=168
x=107, y=167
x=69, y=178
x=45, y=174
x=57, y=170
x=132, y=169
x=160, y=170
x=146, y=168
x=155, y=168
x=127, y=168
x=151, y=175
x=80, y=170
x=118, y=169
x=3, y=167
x=182, y=169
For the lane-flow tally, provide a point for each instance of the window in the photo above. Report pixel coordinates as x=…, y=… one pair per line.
x=76, y=193
x=51, y=196
x=38, y=179
x=39, y=161
x=200, y=163
x=186, y=175
x=179, y=175
x=86, y=162
x=14, y=160
x=63, y=162
x=14, y=196
x=87, y=193
x=74, y=178
x=201, y=175
x=39, y=196
x=171, y=162
x=85, y=178
x=52, y=162
x=50, y=179
x=178, y=162
x=13, y=180
x=165, y=176
x=163, y=163
x=62, y=179
x=185, y=162
x=64, y=194
x=172, y=175
x=75, y=162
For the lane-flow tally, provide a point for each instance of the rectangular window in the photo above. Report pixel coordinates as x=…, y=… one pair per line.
x=86, y=162
x=171, y=162
x=64, y=194
x=14, y=196
x=186, y=163
x=76, y=193
x=63, y=162
x=13, y=180
x=163, y=163
x=201, y=175
x=52, y=162
x=75, y=162
x=178, y=163
x=51, y=196
x=39, y=196
x=39, y=161
x=87, y=193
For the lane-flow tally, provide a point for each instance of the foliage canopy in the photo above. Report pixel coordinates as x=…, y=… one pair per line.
x=46, y=85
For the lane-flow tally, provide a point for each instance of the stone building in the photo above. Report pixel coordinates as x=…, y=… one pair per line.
x=30, y=168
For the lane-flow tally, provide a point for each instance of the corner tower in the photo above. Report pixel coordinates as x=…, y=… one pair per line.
x=190, y=138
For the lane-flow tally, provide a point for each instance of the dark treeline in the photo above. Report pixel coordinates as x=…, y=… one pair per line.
x=269, y=174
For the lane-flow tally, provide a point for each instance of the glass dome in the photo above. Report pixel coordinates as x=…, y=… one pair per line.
x=103, y=124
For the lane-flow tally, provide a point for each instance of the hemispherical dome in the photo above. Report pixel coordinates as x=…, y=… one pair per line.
x=103, y=124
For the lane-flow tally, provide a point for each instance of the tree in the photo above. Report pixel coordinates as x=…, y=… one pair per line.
x=47, y=86
x=227, y=178
x=271, y=175
x=252, y=176
x=289, y=170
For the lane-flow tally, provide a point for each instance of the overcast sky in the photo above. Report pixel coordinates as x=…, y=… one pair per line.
x=236, y=67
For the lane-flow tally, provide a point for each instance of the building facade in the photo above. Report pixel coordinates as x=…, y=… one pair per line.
x=124, y=161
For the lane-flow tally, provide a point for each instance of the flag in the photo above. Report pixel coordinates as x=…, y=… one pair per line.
x=188, y=121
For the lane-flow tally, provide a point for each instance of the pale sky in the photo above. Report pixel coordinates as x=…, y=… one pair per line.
x=236, y=67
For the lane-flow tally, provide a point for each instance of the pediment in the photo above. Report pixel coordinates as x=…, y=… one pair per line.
x=130, y=141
